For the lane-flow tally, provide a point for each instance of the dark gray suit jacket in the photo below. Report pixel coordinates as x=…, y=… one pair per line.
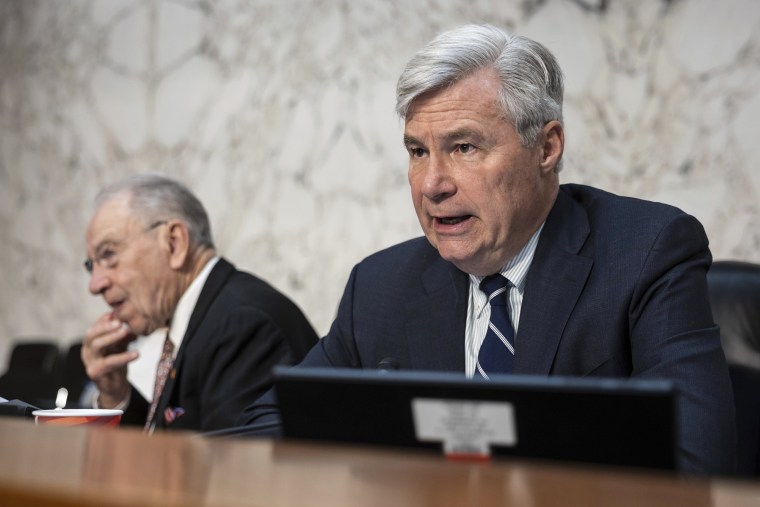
x=617, y=288
x=240, y=328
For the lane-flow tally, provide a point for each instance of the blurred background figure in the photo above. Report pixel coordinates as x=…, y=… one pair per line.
x=151, y=257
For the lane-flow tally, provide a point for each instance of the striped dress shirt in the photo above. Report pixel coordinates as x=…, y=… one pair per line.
x=479, y=311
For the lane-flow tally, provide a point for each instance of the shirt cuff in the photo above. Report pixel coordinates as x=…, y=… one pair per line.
x=122, y=405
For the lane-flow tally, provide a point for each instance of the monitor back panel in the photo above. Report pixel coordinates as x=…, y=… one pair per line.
x=608, y=421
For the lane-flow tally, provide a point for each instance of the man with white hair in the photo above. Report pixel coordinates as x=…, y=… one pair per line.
x=151, y=257
x=517, y=273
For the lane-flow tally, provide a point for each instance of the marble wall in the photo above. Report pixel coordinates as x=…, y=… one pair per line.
x=279, y=114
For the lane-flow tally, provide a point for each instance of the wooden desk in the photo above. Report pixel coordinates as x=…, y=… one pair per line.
x=65, y=467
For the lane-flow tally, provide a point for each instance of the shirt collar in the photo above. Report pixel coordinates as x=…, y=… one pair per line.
x=187, y=303
x=515, y=270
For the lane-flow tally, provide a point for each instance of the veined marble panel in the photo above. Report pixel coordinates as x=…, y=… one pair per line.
x=279, y=114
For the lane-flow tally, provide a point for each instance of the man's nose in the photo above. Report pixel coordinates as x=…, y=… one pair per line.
x=438, y=182
x=99, y=279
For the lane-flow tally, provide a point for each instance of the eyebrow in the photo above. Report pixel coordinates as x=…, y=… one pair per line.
x=408, y=140
x=450, y=137
x=104, y=243
x=463, y=133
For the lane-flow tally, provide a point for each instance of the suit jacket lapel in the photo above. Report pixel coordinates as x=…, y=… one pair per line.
x=214, y=283
x=435, y=321
x=555, y=281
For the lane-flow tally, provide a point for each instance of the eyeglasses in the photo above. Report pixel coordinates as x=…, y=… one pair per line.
x=107, y=258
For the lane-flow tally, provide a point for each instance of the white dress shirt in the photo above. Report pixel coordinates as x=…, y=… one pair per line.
x=479, y=311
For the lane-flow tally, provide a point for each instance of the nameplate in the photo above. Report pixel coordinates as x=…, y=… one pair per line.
x=467, y=429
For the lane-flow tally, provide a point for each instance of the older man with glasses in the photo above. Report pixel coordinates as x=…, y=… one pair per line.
x=152, y=258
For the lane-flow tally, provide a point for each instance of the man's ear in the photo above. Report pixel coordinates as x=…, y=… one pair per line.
x=553, y=139
x=177, y=241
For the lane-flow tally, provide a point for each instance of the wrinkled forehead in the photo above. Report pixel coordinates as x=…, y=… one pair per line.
x=113, y=222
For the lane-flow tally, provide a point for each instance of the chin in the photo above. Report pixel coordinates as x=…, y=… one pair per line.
x=468, y=264
x=454, y=251
x=461, y=262
x=138, y=328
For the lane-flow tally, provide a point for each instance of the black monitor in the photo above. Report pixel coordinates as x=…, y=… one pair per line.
x=626, y=422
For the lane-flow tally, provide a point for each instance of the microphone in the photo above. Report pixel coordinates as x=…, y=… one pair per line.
x=16, y=408
x=388, y=364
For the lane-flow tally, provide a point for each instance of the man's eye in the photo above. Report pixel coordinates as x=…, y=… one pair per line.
x=465, y=148
x=107, y=258
x=416, y=152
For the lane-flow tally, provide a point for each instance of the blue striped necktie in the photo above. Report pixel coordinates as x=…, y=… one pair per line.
x=497, y=351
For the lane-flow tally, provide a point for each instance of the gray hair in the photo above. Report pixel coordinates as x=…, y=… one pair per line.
x=153, y=198
x=531, y=79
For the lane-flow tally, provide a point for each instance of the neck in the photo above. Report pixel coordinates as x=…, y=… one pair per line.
x=197, y=261
x=538, y=219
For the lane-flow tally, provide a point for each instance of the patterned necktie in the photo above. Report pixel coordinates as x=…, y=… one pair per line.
x=497, y=351
x=164, y=365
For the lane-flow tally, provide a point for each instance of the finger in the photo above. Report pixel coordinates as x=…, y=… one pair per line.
x=114, y=340
x=120, y=360
x=110, y=364
x=105, y=324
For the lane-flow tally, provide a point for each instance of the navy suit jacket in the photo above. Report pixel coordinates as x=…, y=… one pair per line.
x=240, y=328
x=617, y=288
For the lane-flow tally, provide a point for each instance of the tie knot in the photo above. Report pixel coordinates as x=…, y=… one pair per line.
x=495, y=287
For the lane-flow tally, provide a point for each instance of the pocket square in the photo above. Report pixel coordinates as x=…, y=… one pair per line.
x=171, y=414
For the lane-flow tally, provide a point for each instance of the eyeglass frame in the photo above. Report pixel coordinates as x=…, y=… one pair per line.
x=108, y=263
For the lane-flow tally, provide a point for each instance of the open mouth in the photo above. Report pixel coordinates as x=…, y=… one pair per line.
x=452, y=220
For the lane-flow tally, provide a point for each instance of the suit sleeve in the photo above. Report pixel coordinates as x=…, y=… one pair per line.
x=137, y=409
x=673, y=336
x=336, y=350
x=238, y=368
